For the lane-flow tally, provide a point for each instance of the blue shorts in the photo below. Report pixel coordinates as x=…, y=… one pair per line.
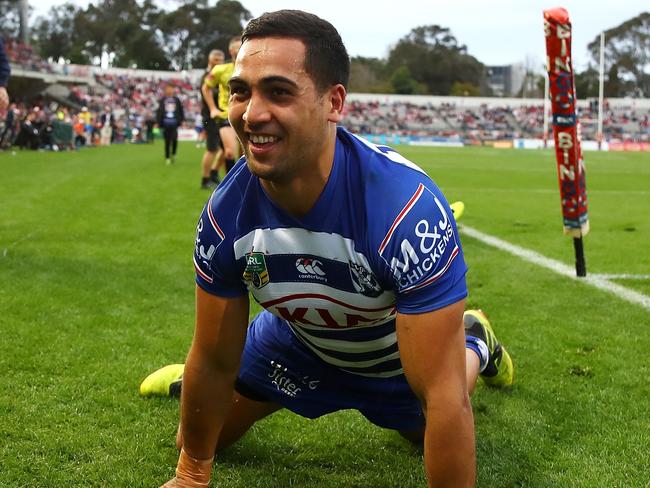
x=277, y=367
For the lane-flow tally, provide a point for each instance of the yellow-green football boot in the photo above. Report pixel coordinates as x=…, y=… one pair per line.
x=164, y=382
x=457, y=209
x=499, y=371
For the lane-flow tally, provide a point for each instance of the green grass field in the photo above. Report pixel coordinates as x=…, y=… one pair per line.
x=96, y=291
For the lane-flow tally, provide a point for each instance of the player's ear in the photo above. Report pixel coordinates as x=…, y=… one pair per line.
x=336, y=99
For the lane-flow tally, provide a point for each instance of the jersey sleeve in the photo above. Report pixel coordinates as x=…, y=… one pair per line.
x=212, y=78
x=217, y=271
x=422, y=254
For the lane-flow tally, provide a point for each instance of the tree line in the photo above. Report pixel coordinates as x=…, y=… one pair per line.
x=427, y=60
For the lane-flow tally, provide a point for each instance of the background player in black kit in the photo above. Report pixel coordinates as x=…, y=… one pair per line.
x=209, y=163
x=170, y=117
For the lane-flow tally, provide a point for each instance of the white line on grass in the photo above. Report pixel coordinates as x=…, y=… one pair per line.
x=622, y=276
x=558, y=267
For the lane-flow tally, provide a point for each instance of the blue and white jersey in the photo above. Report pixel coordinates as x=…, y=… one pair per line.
x=170, y=112
x=380, y=239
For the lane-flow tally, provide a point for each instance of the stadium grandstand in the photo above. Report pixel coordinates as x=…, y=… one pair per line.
x=53, y=94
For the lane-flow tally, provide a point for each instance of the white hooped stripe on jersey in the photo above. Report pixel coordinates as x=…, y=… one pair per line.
x=347, y=346
x=349, y=364
x=315, y=293
x=295, y=240
x=342, y=330
x=390, y=154
x=355, y=364
x=384, y=374
x=324, y=297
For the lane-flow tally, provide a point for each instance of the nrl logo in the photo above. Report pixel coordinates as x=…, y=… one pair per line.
x=255, y=272
x=364, y=281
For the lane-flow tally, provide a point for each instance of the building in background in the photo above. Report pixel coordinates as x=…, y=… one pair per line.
x=506, y=81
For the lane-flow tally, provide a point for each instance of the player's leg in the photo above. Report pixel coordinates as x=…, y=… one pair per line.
x=472, y=369
x=276, y=371
x=210, y=172
x=243, y=413
x=247, y=406
x=217, y=164
x=174, y=143
x=230, y=145
x=485, y=356
x=495, y=364
x=206, y=167
x=168, y=143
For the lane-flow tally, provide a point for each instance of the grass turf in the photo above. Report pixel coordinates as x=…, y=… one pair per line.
x=96, y=291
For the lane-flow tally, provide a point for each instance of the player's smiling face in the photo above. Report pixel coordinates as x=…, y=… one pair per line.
x=280, y=117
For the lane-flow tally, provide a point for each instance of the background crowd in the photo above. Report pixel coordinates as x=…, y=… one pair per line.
x=127, y=102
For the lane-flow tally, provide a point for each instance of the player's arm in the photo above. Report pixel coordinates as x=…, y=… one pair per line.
x=206, y=90
x=209, y=377
x=432, y=350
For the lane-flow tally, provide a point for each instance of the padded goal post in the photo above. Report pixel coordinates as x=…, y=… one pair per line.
x=566, y=133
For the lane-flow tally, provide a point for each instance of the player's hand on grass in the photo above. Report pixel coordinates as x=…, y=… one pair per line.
x=190, y=472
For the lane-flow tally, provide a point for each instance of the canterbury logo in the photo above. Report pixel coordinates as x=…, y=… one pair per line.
x=309, y=266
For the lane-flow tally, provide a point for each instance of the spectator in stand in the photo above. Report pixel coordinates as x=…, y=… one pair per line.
x=107, y=121
x=79, y=128
x=24, y=56
x=86, y=119
x=150, y=122
x=5, y=71
x=170, y=117
x=29, y=136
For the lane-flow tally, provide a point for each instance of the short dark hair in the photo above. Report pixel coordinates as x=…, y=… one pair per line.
x=326, y=59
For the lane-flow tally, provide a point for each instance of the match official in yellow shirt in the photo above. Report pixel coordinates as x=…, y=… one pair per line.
x=219, y=76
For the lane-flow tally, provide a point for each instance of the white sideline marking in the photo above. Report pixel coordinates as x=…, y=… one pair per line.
x=558, y=267
x=622, y=276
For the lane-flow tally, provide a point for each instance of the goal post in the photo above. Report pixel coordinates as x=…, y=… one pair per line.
x=566, y=134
